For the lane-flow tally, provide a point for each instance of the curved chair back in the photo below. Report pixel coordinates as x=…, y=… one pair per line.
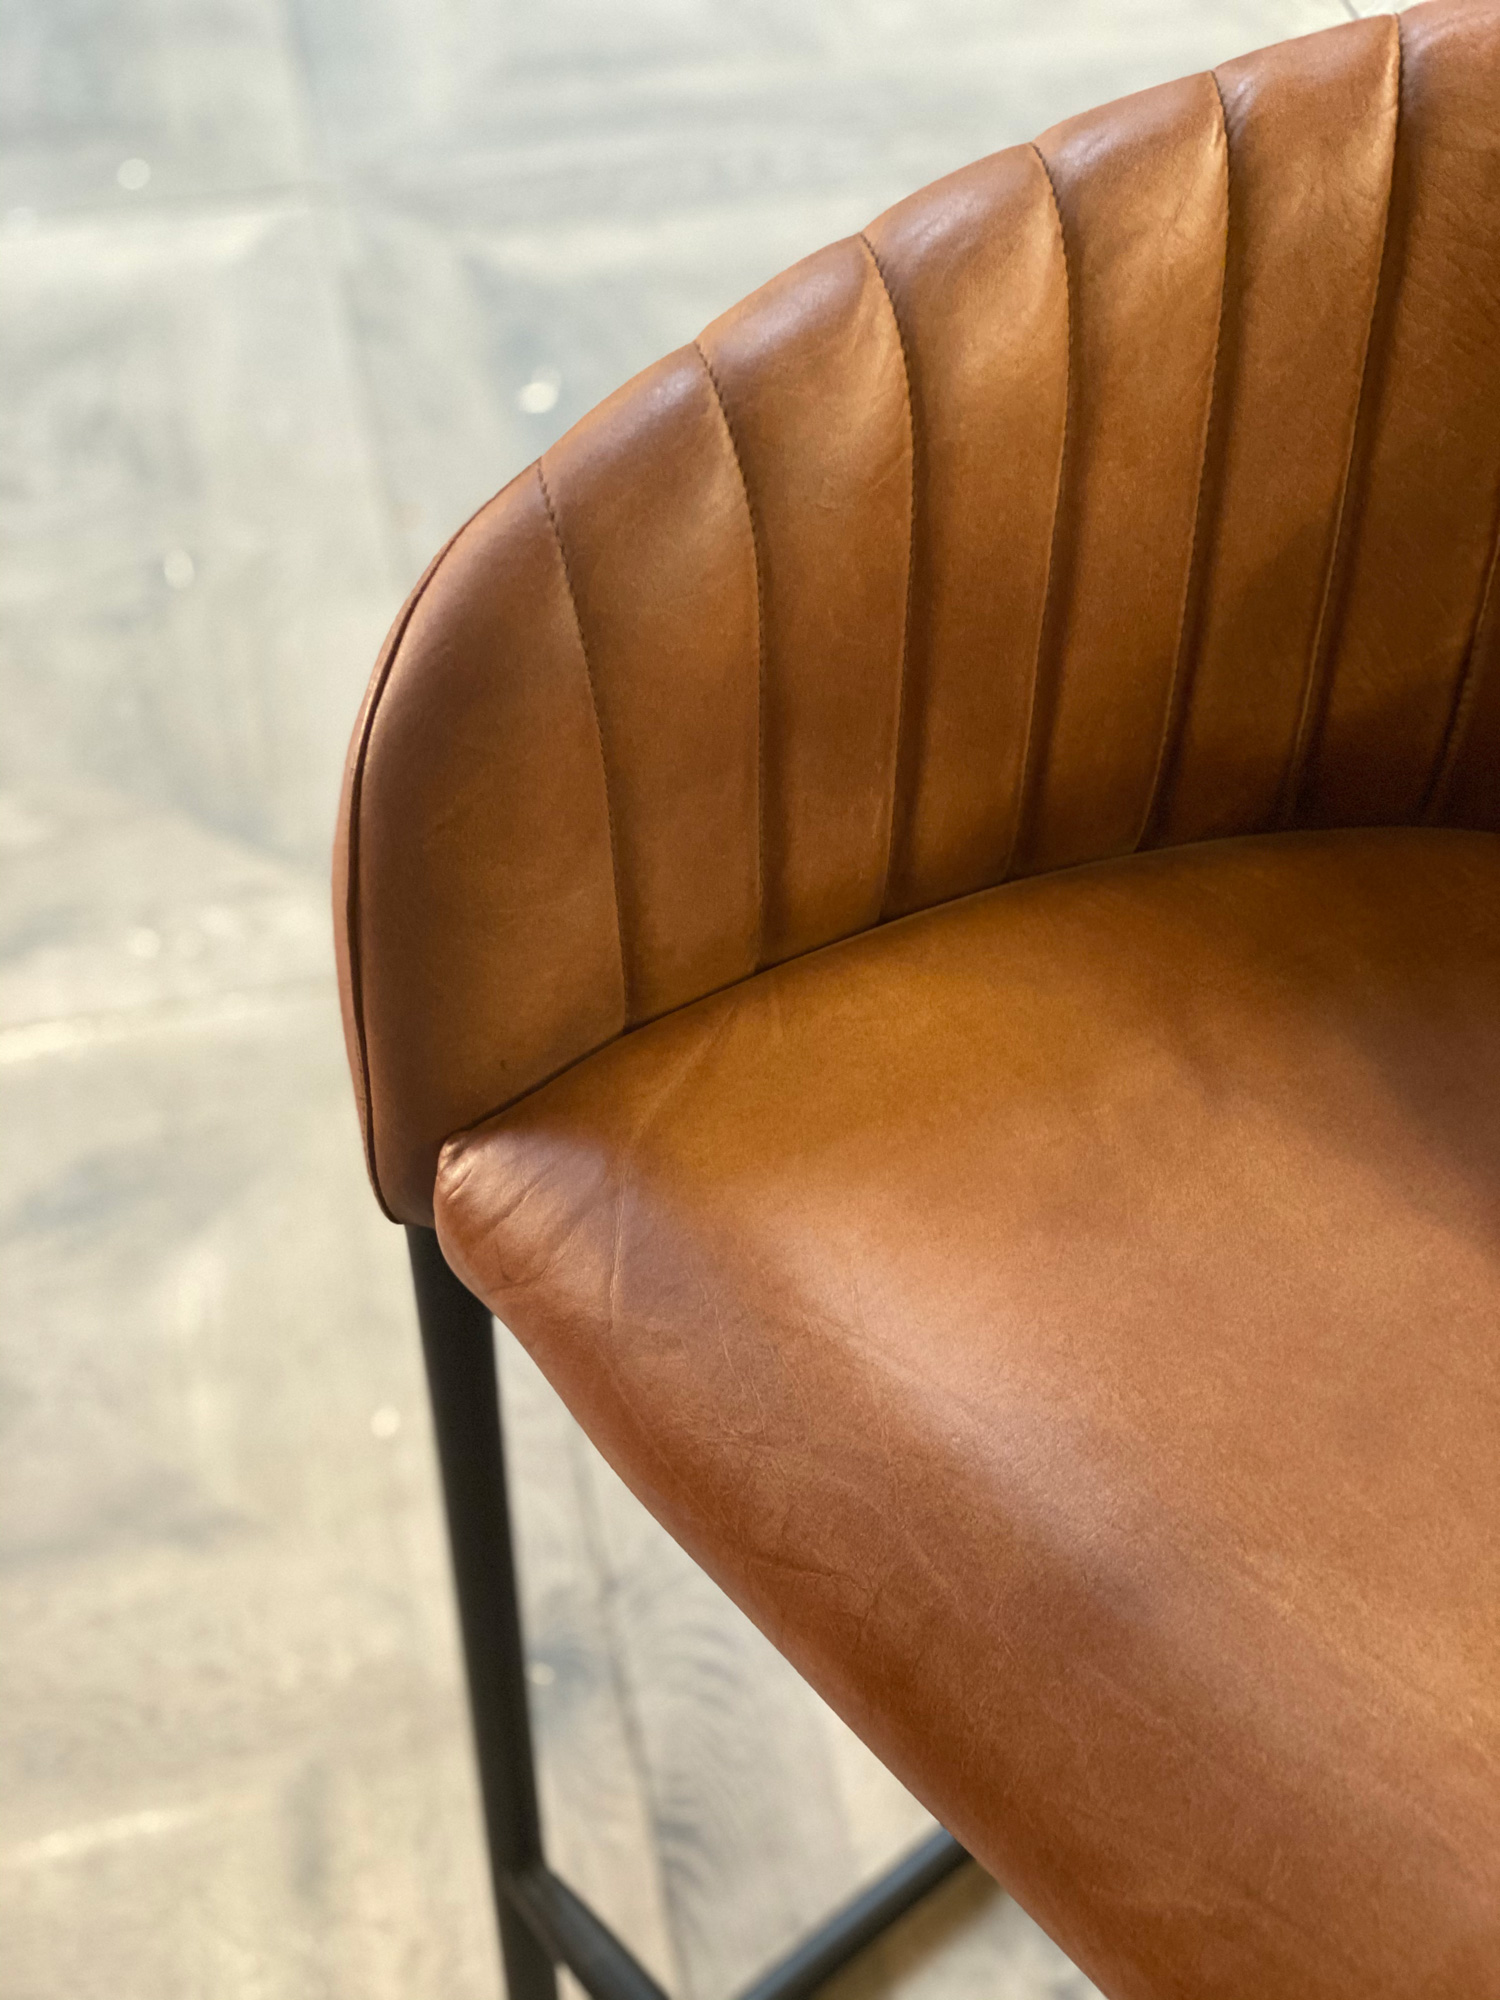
x=1135, y=487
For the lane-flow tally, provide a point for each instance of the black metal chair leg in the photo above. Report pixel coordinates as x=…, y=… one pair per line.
x=459, y=1348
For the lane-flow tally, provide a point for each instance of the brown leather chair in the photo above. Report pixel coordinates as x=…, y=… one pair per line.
x=920, y=908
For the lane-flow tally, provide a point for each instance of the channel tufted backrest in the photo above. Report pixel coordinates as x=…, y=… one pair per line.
x=1136, y=487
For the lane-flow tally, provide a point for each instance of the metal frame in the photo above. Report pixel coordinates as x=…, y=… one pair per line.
x=543, y=1924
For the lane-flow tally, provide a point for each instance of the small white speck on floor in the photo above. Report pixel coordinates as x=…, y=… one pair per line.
x=133, y=174
x=385, y=1422
x=73, y=1841
x=536, y=397
x=178, y=567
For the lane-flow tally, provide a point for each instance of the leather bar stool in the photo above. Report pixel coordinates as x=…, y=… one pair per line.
x=920, y=910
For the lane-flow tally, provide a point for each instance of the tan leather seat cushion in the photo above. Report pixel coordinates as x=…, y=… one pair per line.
x=1069, y=1321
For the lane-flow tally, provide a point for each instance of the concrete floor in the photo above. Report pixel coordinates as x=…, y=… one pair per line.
x=288, y=290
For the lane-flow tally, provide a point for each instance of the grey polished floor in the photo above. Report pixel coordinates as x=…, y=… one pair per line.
x=287, y=291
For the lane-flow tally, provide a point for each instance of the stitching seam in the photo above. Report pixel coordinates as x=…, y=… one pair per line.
x=1193, y=583
x=1030, y=762
x=1465, y=695
x=588, y=670
x=899, y=759
x=760, y=662
x=1314, y=687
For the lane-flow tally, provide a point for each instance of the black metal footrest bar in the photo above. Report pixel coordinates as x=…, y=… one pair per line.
x=860, y=1921
x=566, y=1928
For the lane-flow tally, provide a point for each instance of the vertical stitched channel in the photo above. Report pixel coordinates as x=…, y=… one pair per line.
x=1040, y=709
x=900, y=774
x=353, y=942
x=1195, y=584
x=753, y=525
x=1320, y=660
x=588, y=670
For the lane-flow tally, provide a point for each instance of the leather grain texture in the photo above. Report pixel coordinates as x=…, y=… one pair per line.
x=1135, y=487
x=1066, y=1321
